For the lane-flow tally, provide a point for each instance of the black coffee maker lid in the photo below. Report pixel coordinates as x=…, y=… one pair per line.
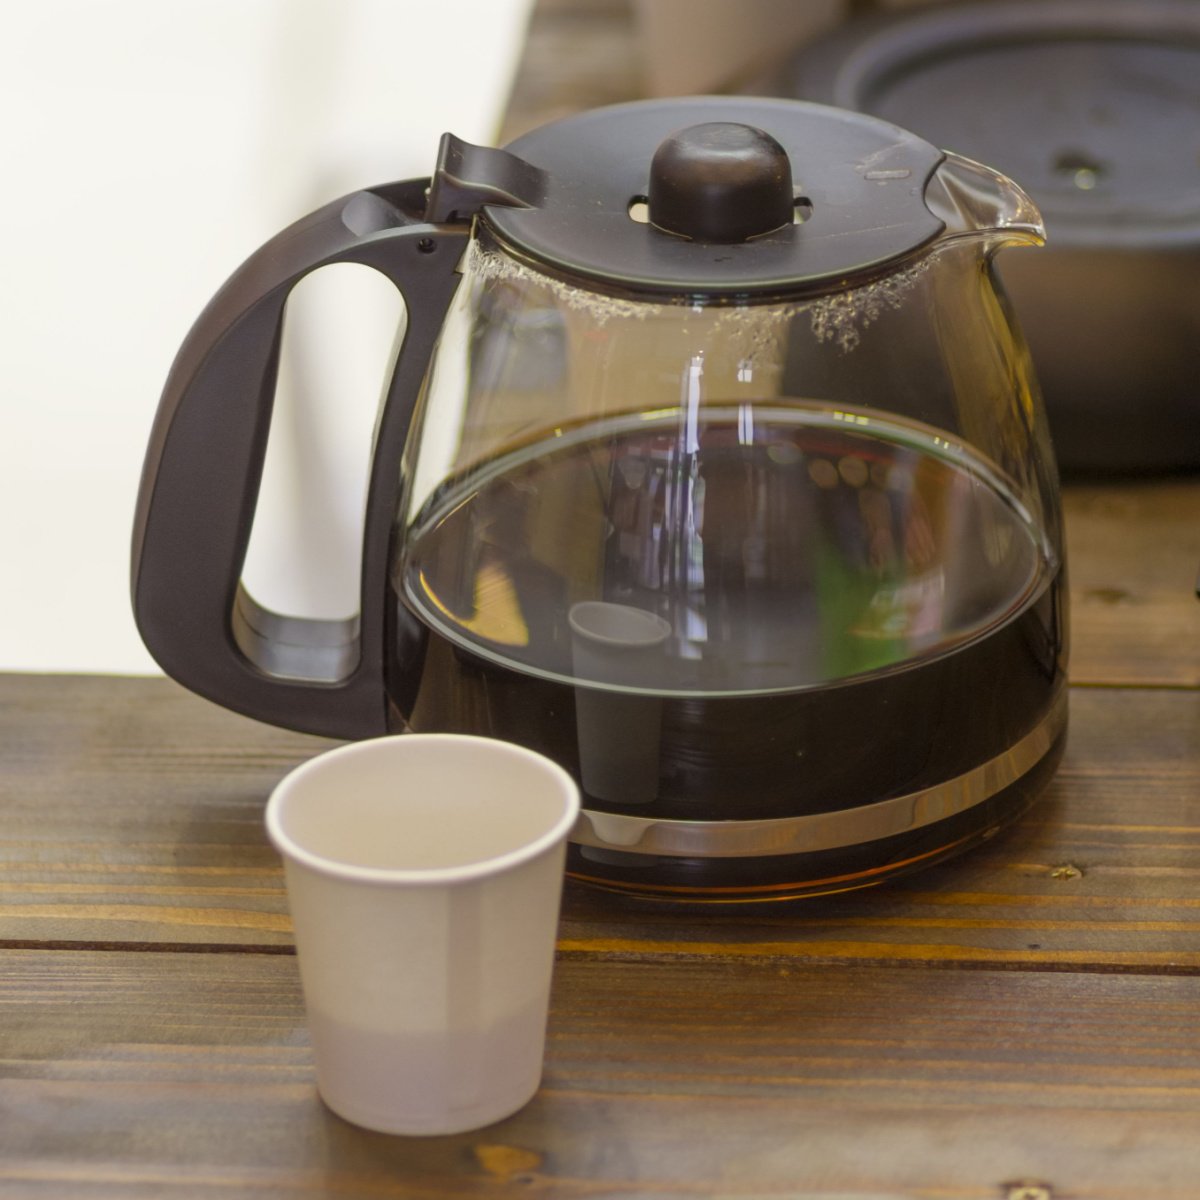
x=705, y=196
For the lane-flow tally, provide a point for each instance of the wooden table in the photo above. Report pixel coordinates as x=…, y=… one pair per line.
x=1022, y=1023
x=1029, y=1014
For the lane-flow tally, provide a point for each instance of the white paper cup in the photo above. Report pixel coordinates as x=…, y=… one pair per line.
x=424, y=874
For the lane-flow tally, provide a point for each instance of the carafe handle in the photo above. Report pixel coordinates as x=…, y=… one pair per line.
x=204, y=465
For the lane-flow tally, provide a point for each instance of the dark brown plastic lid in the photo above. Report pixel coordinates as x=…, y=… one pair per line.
x=805, y=198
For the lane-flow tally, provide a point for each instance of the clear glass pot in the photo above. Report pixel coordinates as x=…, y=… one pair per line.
x=774, y=567
x=742, y=563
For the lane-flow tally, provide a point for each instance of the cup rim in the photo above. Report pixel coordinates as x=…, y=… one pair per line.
x=420, y=876
x=655, y=629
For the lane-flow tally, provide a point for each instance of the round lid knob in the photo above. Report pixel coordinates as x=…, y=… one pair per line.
x=720, y=182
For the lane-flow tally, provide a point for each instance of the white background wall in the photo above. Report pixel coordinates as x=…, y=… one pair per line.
x=149, y=146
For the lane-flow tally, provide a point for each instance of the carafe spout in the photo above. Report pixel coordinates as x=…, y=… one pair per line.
x=975, y=201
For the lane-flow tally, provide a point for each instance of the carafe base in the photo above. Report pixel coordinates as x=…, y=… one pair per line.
x=678, y=880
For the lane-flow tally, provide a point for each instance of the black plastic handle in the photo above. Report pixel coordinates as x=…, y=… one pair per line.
x=204, y=465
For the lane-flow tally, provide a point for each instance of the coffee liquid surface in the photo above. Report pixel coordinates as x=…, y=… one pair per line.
x=831, y=607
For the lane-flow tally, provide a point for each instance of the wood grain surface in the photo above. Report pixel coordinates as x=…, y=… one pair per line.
x=578, y=54
x=148, y=1075
x=1133, y=552
x=133, y=815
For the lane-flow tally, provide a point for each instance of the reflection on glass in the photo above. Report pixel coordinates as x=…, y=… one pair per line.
x=782, y=545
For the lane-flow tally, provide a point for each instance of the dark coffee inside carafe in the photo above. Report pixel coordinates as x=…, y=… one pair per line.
x=791, y=608
x=783, y=548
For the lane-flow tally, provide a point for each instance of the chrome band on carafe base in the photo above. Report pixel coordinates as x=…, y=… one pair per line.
x=828, y=830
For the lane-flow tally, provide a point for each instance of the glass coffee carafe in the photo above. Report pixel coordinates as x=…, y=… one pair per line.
x=712, y=467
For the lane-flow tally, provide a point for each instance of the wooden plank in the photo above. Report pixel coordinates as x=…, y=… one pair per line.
x=1133, y=553
x=161, y=1075
x=579, y=54
x=132, y=815
x=132, y=812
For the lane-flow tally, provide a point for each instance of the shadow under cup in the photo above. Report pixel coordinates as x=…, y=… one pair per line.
x=424, y=874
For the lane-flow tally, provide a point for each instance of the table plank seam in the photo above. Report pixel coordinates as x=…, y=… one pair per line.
x=54, y=944
x=1049, y=962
